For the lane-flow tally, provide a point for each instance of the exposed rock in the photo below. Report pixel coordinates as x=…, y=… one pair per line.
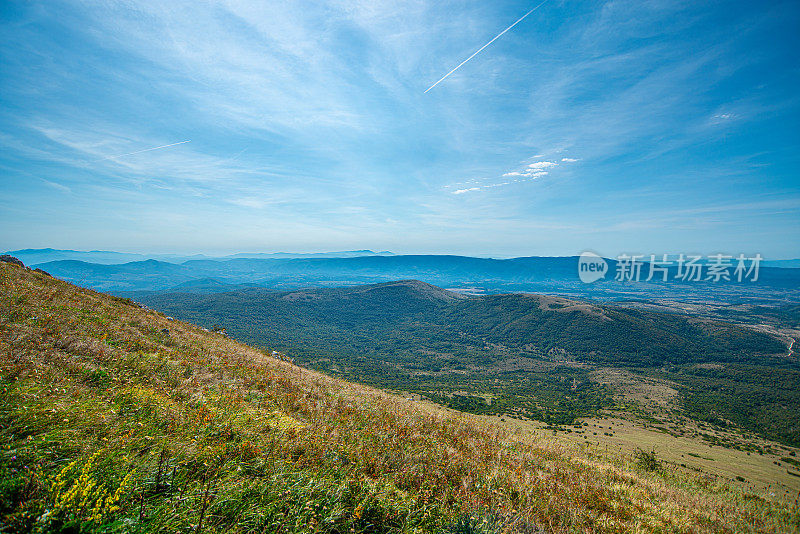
x=11, y=259
x=42, y=271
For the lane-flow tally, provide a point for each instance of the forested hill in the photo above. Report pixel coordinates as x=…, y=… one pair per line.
x=534, y=355
x=397, y=314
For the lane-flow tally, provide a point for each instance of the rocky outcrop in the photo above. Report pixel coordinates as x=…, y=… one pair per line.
x=11, y=259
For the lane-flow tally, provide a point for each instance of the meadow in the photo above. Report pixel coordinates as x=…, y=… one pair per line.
x=118, y=419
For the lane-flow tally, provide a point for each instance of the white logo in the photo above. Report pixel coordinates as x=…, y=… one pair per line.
x=591, y=267
x=684, y=268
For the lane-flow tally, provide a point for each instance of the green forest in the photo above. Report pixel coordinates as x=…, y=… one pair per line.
x=517, y=355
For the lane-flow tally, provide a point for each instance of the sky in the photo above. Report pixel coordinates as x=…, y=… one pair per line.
x=622, y=126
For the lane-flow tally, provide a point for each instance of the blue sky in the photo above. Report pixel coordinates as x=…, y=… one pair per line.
x=617, y=126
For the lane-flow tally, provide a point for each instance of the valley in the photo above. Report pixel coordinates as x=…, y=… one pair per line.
x=766, y=473
x=366, y=267
x=534, y=359
x=709, y=389
x=114, y=417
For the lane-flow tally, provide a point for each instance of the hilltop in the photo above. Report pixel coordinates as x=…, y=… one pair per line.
x=116, y=418
x=396, y=295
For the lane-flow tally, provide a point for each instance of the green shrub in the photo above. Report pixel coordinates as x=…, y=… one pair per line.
x=646, y=460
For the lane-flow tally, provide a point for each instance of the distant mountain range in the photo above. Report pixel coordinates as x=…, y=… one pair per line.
x=119, y=272
x=106, y=257
x=292, y=273
x=784, y=264
x=469, y=275
x=31, y=256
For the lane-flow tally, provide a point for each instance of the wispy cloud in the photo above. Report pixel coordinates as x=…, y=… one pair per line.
x=496, y=37
x=143, y=150
x=532, y=171
x=296, y=110
x=254, y=203
x=56, y=185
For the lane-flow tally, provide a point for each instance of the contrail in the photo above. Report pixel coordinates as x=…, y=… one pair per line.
x=145, y=150
x=484, y=46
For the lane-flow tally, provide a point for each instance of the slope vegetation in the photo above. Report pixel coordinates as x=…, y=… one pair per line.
x=514, y=354
x=117, y=419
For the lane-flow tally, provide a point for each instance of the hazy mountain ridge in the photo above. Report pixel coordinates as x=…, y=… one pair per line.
x=106, y=257
x=155, y=275
x=556, y=275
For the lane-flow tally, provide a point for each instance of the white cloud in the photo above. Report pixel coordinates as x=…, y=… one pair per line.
x=527, y=173
x=542, y=165
x=569, y=160
x=532, y=171
x=462, y=191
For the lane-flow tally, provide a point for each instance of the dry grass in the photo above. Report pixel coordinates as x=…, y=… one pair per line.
x=221, y=437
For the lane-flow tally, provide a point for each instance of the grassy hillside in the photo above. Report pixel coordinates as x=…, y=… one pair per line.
x=116, y=419
x=522, y=355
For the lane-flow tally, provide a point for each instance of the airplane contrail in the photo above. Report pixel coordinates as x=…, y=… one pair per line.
x=145, y=150
x=484, y=46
